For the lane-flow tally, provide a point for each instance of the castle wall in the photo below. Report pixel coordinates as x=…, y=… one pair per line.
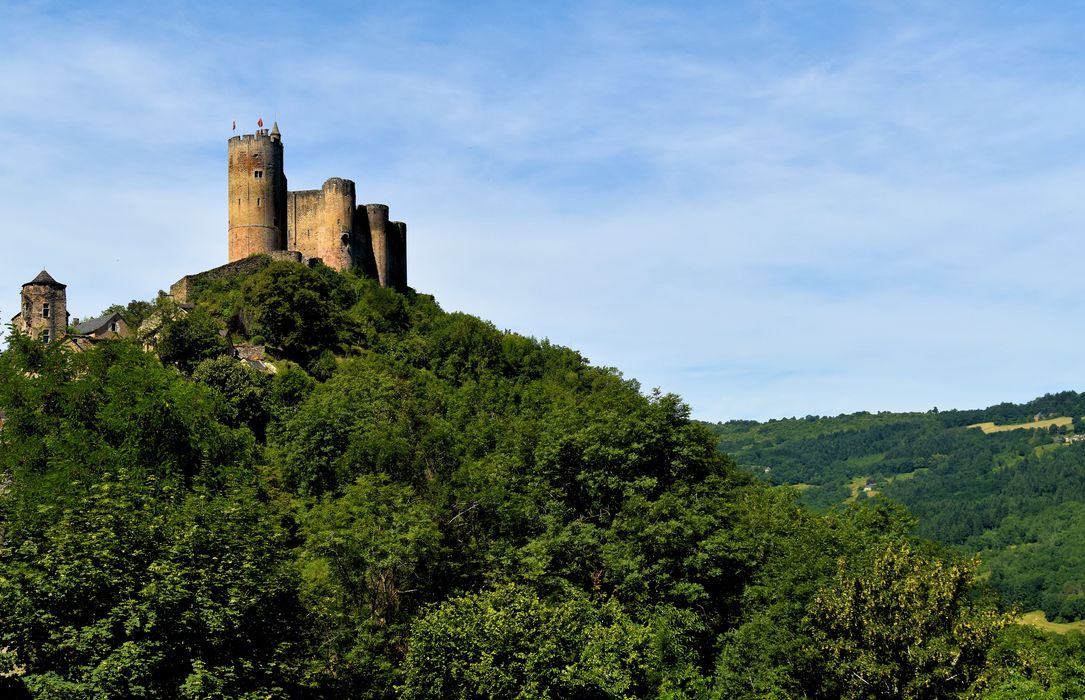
x=183, y=288
x=320, y=223
x=257, y=194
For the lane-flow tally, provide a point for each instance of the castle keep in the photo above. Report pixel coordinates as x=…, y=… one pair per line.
x=326, y=224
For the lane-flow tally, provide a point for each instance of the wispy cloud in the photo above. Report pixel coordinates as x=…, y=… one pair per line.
x=769, y=209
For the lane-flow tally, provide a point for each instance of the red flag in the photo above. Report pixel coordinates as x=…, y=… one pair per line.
x=260, y=121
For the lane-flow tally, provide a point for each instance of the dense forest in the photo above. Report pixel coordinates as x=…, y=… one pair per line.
x=417, y=505
x=1016, y=498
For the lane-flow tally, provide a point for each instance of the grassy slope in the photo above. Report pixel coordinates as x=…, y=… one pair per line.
x=1037, y=619
x=990, y=427
x=997, y=492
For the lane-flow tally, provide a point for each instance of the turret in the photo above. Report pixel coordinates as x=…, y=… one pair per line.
x=257, y=194
x=44, y=313
x=379, y=236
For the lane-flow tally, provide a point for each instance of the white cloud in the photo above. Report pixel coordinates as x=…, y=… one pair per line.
x=716, y=203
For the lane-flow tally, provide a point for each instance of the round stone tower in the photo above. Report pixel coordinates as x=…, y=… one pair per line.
x=257, y=189
x=44, y=313
x=378, y=236
x=337, y=251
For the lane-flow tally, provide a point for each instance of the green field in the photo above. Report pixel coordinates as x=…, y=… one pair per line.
x=989, y=427
x=1037, y=619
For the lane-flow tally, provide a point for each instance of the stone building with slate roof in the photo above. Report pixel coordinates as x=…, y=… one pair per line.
x=44, y=309
x=44, y=316
x=102, y=328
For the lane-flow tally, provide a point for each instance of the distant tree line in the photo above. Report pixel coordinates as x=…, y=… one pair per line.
x=1012, y=497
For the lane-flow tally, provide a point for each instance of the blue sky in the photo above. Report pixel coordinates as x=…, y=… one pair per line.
x=770, y=208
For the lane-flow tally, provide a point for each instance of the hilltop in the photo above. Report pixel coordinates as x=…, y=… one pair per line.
x=404, y=502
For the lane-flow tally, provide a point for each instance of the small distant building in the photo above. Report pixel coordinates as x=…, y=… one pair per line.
x=44, y=309
x=84, y=334
x=249, y=352
x=103, y=328
x=254, y=356
x=44, y=316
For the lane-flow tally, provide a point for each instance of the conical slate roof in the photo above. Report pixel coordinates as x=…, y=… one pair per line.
x=44, y=279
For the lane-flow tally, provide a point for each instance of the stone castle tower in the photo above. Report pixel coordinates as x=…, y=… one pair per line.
x=257, y=194
x=265, y=217
x=44, y=309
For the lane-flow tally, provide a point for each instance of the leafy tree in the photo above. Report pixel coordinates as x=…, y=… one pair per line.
x=299, y=310
x=243, y=388
x=509, y=643
x=134, y=313
x=429, y=506
x=1028, y=663
x=186, y=339
x=366, y=560
x=903, y=625
x=364, y=420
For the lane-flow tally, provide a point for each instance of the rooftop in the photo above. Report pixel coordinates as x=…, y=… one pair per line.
x=46, y=280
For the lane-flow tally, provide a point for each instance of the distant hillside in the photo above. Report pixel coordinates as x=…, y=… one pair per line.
x=1012, y=491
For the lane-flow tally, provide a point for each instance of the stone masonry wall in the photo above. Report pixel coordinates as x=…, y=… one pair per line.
x=32, y=318
x=320, y=223
x=182, y=289
x=257, y=195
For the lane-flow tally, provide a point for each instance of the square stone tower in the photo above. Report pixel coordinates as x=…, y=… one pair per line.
x=257, y=191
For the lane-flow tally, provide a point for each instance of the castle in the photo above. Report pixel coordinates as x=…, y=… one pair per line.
x=265, y=219
x=325, y=224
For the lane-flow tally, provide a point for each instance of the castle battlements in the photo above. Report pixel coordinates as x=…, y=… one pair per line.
x=260, y=134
